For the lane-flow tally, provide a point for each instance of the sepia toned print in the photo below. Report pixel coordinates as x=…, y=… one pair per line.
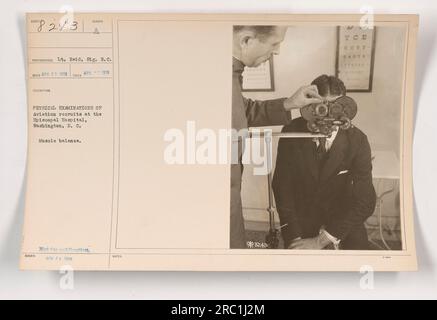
x=323, y=187
x=219, y=142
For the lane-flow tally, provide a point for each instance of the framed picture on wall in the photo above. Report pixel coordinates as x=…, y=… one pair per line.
x=260, y=78
x=355, y=57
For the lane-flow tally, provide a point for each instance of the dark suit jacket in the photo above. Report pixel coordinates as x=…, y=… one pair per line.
x=308, y=199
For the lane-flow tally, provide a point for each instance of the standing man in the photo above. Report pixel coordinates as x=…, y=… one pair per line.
x=253, y=45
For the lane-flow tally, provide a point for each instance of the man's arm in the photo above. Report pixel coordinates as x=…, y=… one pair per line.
x=277, y=112
x=363, y=194
x=266, y=113
x=284, y=193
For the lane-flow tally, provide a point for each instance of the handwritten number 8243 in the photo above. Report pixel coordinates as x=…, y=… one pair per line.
x=61, y=27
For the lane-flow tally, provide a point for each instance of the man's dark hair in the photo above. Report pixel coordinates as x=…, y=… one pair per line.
x=261, y=32
x=329, y=85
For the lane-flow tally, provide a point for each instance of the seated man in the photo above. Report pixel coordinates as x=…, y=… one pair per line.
x=323, y=187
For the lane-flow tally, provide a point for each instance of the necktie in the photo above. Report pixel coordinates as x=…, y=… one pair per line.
x=321, y=153
x=321, y=148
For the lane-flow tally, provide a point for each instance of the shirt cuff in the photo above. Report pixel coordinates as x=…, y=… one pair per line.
x=295, y=113
x=331, y=238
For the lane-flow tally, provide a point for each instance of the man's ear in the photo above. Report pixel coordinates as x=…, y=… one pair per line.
x=246, y=37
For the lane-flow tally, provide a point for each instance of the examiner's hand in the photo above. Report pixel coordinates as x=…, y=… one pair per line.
x=302, y=97
x=316, y=243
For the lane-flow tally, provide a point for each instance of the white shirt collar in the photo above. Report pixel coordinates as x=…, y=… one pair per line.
x=329, y=140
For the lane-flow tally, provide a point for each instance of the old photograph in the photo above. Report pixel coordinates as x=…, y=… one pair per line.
x=330, y=101
x=220, y=142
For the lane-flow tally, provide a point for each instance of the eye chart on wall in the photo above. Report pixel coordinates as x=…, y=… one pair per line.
x=355, y=57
